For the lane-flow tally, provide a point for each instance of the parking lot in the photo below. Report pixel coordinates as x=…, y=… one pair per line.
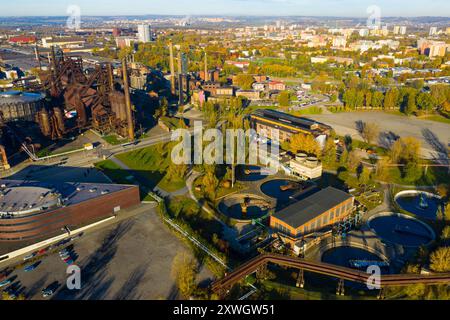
x=127, y=260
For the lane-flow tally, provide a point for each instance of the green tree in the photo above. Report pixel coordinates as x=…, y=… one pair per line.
x=425, y=102
x=377, y=99
x=244, y=81
x=284, y=99
x=366, y=176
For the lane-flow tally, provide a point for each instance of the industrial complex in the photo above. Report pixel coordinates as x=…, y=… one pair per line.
x=357, y=119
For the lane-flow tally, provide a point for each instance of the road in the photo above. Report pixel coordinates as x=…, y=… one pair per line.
x=427, y=131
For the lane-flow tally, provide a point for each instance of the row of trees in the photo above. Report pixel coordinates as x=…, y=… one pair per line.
x=407, y=99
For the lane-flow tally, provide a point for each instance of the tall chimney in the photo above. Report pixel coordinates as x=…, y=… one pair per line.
x=127, y=100
x=38, y=58
x=110, y=77
x=206, y=68
x=172, y=70
x=180, y=80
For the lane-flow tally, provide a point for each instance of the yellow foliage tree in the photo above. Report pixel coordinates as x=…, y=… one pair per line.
x=304, y=143
x=440, y=259
x=184, y=273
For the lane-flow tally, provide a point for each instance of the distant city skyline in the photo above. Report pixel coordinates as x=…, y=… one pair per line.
x=337, y=8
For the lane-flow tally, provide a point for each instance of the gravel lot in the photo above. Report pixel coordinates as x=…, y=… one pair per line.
x=429, y=132
x=128, y=260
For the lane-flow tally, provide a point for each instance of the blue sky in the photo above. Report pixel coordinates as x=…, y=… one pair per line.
x=347, y=8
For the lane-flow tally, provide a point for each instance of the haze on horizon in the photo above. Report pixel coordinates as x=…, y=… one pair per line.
x=335, y=8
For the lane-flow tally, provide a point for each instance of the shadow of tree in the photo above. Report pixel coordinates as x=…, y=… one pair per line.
x=128, y=290
x=437, y=145
x=94, y=281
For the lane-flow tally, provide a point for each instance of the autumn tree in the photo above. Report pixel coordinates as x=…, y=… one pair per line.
x=284, y=99
x=445, y=235
x=244, y=81
x=329, y=153
x=210, y=182
x=304, y=143
x=370, y=132
x=366, y=176
x=440, y=259
x=184, y=273
x=354, y=160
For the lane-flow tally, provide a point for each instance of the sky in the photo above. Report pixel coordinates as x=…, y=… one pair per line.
x=343, y=8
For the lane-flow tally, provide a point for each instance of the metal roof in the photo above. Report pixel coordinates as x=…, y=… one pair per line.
x=311, y=207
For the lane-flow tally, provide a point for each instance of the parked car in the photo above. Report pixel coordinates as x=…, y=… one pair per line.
x=5, y=283
x=31, y=267
x=31, y=255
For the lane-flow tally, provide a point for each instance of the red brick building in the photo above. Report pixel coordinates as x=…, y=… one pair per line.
x=31, y=210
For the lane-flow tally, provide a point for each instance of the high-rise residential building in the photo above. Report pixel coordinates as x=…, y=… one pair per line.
x=432, y=48
x=363, y=32
x=433, y=31
x=399, y=30
x=144, y=33
x=340, y=41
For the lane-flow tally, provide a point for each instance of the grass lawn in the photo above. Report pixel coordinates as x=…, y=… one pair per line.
x=173, y=123
x=435, y=117
x=114, y=172
x=310, y=110
x=152, y=163
x=114, y=139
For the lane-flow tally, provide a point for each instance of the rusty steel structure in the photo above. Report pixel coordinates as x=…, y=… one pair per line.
x=93, y=96
x=259, y=263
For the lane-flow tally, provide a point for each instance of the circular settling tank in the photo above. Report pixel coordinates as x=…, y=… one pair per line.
x=420, y=203
x=355, y=258
x=401, y=229
x=244, y=207
x=281, y=189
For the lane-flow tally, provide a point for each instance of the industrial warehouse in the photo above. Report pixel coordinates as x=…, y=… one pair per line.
x=324, y=208
x=267, y=120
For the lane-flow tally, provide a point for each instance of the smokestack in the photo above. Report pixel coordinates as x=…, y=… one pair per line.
x=206, y=67
x=110, y=77
x=127, y=100
x=38, y=58
x=172, y=70
x=180, y=80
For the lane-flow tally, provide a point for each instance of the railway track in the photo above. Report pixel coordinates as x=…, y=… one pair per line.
x=339, y=272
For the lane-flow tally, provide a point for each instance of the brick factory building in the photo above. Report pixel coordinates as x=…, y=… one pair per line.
x=34, y=210
x=321, y=209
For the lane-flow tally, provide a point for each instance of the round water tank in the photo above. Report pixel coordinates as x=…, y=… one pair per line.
x=301, y=156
